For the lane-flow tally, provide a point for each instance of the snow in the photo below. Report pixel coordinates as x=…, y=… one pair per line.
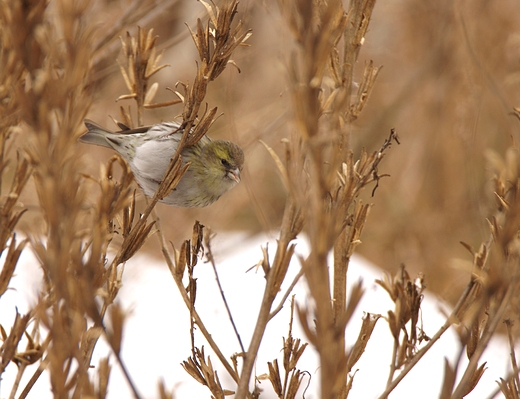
x=156, y=334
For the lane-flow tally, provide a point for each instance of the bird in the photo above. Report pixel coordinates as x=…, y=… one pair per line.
x=215, y=164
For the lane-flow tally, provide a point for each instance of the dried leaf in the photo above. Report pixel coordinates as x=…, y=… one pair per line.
x=136, y=241
x=475, y=378
x=192, y=369
x=150, y=94
x=448, y=381
x=183, y=258
x=117, y=318
x=367, y=327
x=280, y=166
x=11, y=260
x=8, y=348
x=103, y=378
x=211, y=13
x=294, y=384
x=126, y=78
x=274, y=377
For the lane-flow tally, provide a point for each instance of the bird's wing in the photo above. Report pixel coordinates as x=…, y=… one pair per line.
x=158, y=130
x=164, y=131
x=126, y=130
x=122, y=126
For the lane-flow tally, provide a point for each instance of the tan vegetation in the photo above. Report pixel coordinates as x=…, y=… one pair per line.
x=315, y=111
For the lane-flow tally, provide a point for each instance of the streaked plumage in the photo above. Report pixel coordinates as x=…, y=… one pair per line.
x=215, y=164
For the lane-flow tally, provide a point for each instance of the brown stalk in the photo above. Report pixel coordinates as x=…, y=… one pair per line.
x=52, y=100
x=331, y=181
x=292, y=376
x=215, y=45
x=516, y=372
x=8, y=348
x=177, y=277
x=52, y=106
x=413, y=361
x=462, y=307
x=142, y=64
x=291, y=226
x=288, y=292
x=464, y=387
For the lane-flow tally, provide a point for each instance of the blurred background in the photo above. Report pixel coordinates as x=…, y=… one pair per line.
x=449, y=82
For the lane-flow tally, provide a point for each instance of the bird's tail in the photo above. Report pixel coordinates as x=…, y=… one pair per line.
x=96, y=134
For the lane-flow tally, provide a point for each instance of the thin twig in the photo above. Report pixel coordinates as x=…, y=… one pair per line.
x=125, y=372
x=196, y=317
x=290, y=228
x=393, y=363
x=211, y=259
x=447, y=324
x=41, y=367
x=514, y=363
x=276, y=310
x=473, y=363
x=254, y=345
x=21, y=369
x=497, y=390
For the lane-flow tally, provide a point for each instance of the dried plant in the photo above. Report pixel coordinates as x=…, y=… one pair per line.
x=510, y=387
x=142, y=62
x=202, y=370
x=323, y=179
x=90, y=226
x=333, y=190
x=407, y=296
x=487, y=299
x=288, y=386
x=46, y=52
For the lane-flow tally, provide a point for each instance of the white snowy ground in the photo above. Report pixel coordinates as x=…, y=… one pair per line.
x=156, y=338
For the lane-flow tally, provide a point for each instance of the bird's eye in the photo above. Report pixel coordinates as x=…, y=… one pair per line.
x=225, y=163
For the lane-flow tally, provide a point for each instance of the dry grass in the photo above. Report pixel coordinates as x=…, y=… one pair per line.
x=55, y=59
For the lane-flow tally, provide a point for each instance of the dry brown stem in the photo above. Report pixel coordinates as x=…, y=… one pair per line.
x=327, y=191
x=292, y=377
x=488, y=297
x=45, y=54
x=177, y=266
x=91, y=226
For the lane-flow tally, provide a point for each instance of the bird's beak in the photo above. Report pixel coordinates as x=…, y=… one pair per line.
x=234, y=174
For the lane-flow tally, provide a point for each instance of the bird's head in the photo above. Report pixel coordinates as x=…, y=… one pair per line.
x=224, y=161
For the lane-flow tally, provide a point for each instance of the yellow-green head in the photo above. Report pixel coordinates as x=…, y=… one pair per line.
x=217, y=168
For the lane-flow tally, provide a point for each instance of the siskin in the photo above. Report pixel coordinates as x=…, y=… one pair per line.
x=215, y=164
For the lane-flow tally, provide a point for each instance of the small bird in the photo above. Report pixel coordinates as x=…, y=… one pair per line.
x=215, y=164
